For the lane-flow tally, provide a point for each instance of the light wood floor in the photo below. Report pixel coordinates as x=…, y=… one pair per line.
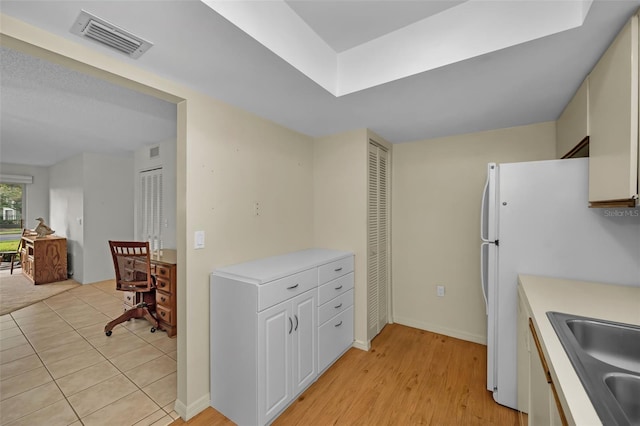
x=409, y=377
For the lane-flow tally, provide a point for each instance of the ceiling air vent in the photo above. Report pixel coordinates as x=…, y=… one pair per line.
x=97, y=29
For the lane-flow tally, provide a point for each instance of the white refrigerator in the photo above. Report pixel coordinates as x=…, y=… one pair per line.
x=536, y=220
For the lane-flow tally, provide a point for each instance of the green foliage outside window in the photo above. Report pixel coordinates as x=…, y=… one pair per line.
x=11, y=205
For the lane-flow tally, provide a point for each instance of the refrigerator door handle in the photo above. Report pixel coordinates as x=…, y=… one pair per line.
x=483, y=282
x=485, y=195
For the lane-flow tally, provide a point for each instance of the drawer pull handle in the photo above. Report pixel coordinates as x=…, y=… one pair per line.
x=296, y=329
x=293, y=286
x=338, y=324
x=162, y=313
x=339, y=306
x=290, y=325
x=163, y=299
x=339, y=287
x=338, y=269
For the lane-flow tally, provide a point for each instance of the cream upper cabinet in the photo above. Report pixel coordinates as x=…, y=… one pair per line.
x=613, y=122
x=572, y=128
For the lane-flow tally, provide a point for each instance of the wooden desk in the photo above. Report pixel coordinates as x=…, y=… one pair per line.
x=44, y=259
x=164, y=269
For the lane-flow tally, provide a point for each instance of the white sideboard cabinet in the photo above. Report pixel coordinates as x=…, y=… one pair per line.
x=275, y=324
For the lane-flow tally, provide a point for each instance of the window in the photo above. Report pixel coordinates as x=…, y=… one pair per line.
x=11, y=202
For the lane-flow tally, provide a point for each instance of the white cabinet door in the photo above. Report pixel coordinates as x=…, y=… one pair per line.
x=304, y=341
x=275, y=326
x=613, y=116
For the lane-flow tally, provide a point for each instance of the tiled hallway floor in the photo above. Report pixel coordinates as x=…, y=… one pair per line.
x=57, y=367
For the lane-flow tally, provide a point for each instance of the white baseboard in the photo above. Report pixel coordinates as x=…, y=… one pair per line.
x=188, y=412
x=434, y=328
x=359, y=344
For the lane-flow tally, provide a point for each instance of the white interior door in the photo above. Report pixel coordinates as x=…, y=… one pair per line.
x=377, y=240
x=150, y=215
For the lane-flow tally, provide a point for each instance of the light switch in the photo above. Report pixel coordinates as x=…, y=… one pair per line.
x=198, y=240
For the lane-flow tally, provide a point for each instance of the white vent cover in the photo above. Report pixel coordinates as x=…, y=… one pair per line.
x=154, y=152
x=97, y=29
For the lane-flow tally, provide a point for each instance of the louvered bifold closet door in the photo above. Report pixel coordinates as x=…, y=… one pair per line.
x=377, y=241
x=372, y=245
x=383, y=241
x=150, y=214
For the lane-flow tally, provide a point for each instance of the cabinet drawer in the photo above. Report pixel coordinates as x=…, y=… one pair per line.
x=333, y=270
x=130, y=298
x=162, y=272
x=164, y=299
x=164, y=314
x=280, y=290
x=335, y=337
x=164, y=285
x=335, y=306
x=334, y=288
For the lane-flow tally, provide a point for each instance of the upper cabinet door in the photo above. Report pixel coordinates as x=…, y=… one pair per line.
x=572, y=128
x=613, y=118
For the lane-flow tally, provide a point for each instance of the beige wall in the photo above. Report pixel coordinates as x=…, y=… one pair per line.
x=437, y=186
x=227, y=160
x=340, y=208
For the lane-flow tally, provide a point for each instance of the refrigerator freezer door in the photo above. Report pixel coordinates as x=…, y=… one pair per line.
x=488, y=210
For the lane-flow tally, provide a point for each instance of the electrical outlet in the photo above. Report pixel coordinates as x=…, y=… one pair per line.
x=256, y=209
x=440, y=290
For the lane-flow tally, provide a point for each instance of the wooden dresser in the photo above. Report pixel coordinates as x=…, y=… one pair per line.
x=44, y=259
x=163, y=267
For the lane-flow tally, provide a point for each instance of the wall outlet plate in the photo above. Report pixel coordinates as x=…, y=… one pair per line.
x=198, y=240
x=440, y=290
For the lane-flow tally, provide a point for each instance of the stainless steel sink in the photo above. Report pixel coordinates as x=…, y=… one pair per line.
x=606, y=357
x=626, y=390
x=614, y=344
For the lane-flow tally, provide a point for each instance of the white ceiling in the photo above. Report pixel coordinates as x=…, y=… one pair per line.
x=50, y=113
x=346, y=24
x=526, y=83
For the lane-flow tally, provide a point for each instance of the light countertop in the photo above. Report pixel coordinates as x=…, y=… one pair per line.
x=604, y=301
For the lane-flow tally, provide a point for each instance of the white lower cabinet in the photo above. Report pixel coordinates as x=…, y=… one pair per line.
x=335, y=312
x=286, y=353
x=335, y=336
x=273, y=330
x=537, y=394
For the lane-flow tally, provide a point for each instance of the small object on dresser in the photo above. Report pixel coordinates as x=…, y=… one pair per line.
x=42, y=230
